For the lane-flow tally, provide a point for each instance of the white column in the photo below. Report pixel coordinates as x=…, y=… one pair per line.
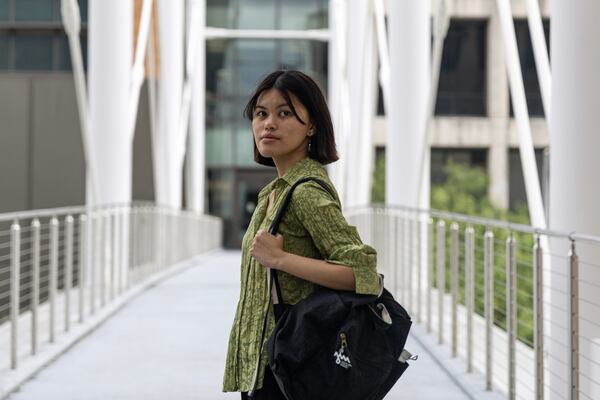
x=338, y=92
x=497, y=108
x=517, y=91
x=410, y=47
x=196, y=166
x=110, y=58
x=574, y=161
x=171, y=34
x=362, y=79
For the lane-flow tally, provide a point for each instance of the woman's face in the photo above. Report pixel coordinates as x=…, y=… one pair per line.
x=277, y=131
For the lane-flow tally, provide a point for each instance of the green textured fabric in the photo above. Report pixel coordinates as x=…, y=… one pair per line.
x=314, y=227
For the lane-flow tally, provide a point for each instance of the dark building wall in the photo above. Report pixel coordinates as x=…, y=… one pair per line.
x=41, y=153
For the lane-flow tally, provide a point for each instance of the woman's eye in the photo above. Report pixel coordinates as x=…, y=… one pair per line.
x=260, y=114
x=285, y=113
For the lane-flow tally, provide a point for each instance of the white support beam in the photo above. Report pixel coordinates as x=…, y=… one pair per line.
x=517, y=91
x=170, y=93
x=137, y=71
x=362, y=79
x=441, y=24
x=309, y=34
x=71, y=17
x=110, y=50
x=574, y=166
x=540, y=52
x=338, y=92
x=410, y=43
x=196, y=165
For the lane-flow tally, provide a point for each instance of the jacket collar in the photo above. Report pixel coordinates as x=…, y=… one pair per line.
x=301, y=169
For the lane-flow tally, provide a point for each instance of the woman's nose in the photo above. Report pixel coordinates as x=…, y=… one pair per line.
x=270, y=122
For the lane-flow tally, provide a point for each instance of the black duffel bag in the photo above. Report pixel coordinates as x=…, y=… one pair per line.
x=336, y=344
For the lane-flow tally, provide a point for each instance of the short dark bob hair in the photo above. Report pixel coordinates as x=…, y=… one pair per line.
x=310, y=95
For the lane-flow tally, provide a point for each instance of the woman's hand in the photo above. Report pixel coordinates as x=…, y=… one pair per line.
x=267, y=249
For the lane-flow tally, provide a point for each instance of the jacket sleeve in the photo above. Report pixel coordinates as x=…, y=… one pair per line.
x=337, y=241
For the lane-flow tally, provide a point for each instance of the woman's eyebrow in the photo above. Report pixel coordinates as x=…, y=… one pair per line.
x=279, y=106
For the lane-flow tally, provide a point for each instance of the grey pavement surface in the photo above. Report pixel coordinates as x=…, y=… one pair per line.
x=170, y=343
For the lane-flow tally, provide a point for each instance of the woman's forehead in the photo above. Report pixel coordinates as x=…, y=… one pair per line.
x=274, y=98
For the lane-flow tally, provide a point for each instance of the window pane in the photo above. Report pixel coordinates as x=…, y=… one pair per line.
x=255, y=59
x=527, y=58
x=33, y=51
x=306, y=14
x=244, y=142
x=34, y=10
x=517, y=194
x=246, y=14
x=462, y=78
x=4, y=62
x=64, y=53
x=217, y=13
x=219, y=146
x=3, y=10
x=308, y=56
x=442, y=157
x=83, y=9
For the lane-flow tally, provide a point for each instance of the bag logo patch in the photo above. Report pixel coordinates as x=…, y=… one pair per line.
x=341, y=358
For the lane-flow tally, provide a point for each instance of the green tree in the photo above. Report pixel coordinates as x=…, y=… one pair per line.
x=465, y=192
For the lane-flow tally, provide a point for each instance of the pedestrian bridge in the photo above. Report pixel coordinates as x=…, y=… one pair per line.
x=136, y=302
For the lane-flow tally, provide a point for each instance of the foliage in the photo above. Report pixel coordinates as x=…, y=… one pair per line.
x=465, y=192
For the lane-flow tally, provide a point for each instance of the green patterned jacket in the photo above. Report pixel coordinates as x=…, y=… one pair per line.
x=314, y=227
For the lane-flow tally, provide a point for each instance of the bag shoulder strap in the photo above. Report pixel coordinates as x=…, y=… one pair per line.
x=273, y=280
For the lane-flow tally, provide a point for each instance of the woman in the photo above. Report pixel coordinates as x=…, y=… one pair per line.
x=293, y=132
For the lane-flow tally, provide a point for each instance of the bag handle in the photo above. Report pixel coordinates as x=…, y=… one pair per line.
x=273, y=280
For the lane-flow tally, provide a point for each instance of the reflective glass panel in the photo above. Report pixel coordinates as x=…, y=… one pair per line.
x=34, y=10
x=64, y=53
x=462, y=83
x=305, y=14
x=4, y=10
x=241, y=14
x=33, y=51
x=4, y=62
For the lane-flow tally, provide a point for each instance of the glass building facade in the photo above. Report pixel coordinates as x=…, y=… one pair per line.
x=32, y=36
x=233, y=69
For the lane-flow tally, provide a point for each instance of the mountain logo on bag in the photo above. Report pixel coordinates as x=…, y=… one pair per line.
x=341, y=359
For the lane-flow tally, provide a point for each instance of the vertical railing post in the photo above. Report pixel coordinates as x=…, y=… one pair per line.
x=409, y=256
x=96, y=259
x=402, y=258
x=114, y=261
x=35, y=283
x=68, y=270
x=53, y=275
x=454, y=283
x=511, y=313
x=83, y=257
x=488, y=261
x=396, y=244
x=105, y=255
x=430, y=250
x=573, y=323
x=441, y=276
x=15, y=275
x=418, y=221
x=469, y=292
x=538, y=306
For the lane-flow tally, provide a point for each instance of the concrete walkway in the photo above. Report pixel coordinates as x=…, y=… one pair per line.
x=169, y=343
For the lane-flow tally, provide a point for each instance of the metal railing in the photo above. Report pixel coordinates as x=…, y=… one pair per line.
x=61, y=266
x=517, y=304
